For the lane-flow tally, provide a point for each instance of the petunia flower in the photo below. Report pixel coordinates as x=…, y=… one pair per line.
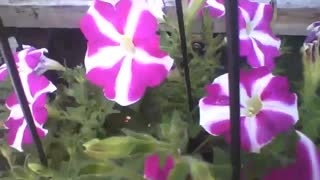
x=123, y=51
x=152, y=169
x=306, y=165
x=18, y=131
x=311, y=62
x=257, y=42
x=31, y=63
x=267, y=108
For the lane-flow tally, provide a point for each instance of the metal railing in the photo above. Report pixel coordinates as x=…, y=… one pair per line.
x=233, y=70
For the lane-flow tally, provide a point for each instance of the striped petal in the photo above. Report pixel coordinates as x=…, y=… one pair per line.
x=3, y=72
x=306, y=166
x=216, y=8
x=18, y=131
x=267, y=108
x=124, y=55
x=257, y=41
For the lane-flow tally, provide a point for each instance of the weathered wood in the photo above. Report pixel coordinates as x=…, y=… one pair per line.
x=293, y=15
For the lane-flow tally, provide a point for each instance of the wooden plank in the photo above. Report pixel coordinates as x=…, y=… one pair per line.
x=293, y=15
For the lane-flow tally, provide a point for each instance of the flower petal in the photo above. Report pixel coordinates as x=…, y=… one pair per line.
x=306, y=166
x=271, y=123
x=117, y=15
x=254, y=80
x=3, y=72
x=278, y=90
x=216, y=8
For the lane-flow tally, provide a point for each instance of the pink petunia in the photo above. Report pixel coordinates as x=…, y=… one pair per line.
x=18, y=131
x=306, y=166
x=31, y=63
x=152, y=169
x=123, y=51
x=257, y=41
x=268, y=108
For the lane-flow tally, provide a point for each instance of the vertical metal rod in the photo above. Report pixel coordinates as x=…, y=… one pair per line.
x=232, y=30
x=184, y=53
x=16, y=81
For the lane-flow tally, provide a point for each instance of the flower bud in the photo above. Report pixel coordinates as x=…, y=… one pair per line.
x=311, y=60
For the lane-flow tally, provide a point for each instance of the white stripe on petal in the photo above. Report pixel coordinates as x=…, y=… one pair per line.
x=278, y=106
x=134, y=18
x=258, y=15
x=16, y=112
x=48, y=89
x=113, y=2
x=156, y=8
x=245, y=15
x=25, y=85
x=244, y=97
x=106, y=57
x=260, y=84
x=250, y=125
x=312, y=155
x=123, y=82
x=216, y=5
x=143, y=57
x=243, y=35
x=265, y=39
x=212, y=113
x=223, y=81
x=105, y=26
x=17, y=143
x=22, y=63
x=258, y=53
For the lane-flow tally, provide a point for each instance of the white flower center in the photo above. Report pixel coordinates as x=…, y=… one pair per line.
x=249, y=28
x=127, y=45
x=254, y=105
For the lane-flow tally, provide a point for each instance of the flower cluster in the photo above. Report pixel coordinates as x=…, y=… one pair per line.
x=31, y=63
x=267, y=106
x=124, y=58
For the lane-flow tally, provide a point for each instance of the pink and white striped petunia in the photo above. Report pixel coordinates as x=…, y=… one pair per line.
x=257, y=42
x=123, y=51
x=306, y=166
x=152, y=169
x=31, y=63
x=18, y=131
x=267, y=108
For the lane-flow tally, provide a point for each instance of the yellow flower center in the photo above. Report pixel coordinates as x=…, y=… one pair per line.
x=127, y=44
x=254, y=105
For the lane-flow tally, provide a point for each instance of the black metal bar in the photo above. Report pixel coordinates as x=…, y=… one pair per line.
x=16, y=81
x=183, y=42
x=232, y=31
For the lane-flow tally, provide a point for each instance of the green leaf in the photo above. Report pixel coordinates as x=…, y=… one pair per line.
x=220, y=156
x=175, y=131
x=200, y=170
x=97, y=168
x=118, y=147
x=180, y=171
x=21, y=173
x=222, y=171
x=40, y=170
x=141, y=136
